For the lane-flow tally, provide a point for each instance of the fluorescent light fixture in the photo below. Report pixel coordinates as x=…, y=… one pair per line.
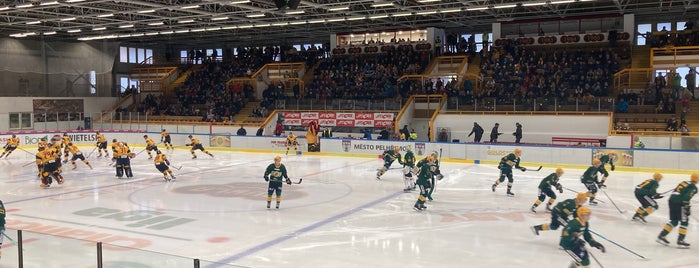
x=185, y=21
x=381, y=4
x=4, y=8
x=68, y=19
x=167, y=32
x=182, y=31
x=378, y=17
x=295, y=12
x=126, y=26
x=146, y=11
x=25, y=6
x=504, y=6
x=17, y=35
x=99, y=28
x=199, y=30
x=428, y=1
x=105, y=15
x=219, y=18
x=255, y=15
x=338, y=8
x=316, y=21
x=426, y=12
x=156, y=23
x=28, y=34
x=74, y=1
x=33, y=22
x=240, y=2
x=476, y=8
x=262, y=25
x=49, y=33
x=533, y=4
x=280, y=24
x=297, y=22
x=245, y=26
x=355, y=18
x=190, y=7
x=450, y=10
x=404, y=14
x=335, y=20
x=49, y=3
x=562, y=2
x=229, y=27
x=75, y=31
x=151, y=33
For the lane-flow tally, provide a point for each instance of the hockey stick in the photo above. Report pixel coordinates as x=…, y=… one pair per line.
x=12, y=241
x=610, y=199
x=526, y=169
x=601, y=201
x=663, y=193
x=617, y=244
x=93, y=150
x=299, y=182
x=32, y=162
x=26, y=151
x=595, y=258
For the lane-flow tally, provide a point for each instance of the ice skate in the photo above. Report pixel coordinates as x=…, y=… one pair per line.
x=417, y=207
x=535, y=230
x=269, y=203
x=593, y=203
x=277, y=207
x=662, y=241
x=533, y=209
x=493, y=187
x=510, y=194
x=639, y=218
x=682, y=244
x=548, y=207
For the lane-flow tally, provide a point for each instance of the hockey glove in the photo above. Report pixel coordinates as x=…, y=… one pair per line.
x=288, y=181
x=188, y=144
x=612, y=167
x=167, y=162
x=597, y=245
x=266, y=178
x=559, y=187
x=657, y=196
x=523, y=169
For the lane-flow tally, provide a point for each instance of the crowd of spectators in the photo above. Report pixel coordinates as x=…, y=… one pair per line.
x=689, y=36
x=368, y=76
x=518, y=72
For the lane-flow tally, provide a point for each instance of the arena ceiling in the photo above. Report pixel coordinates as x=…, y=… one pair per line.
x=259, y=22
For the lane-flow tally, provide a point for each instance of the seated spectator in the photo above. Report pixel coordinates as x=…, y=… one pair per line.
x=671, y=124
x=623, y=106
x=242, y=131
x=685, y=130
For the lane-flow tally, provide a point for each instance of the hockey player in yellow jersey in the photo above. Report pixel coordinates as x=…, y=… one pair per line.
x=150, y=146
x=196, y=145
x=65, y=140
x=101, y=145
x=77, y=154
x=163, y=165
x=291, y=141
x=165, y=139
x=123, y=160
x=11, y=145
x=48, y=164
x=115, y=146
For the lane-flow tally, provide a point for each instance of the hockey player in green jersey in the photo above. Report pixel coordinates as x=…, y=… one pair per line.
x=680, y=209
x=589, y=179
x=604, y=159
x=424, y=176
x=2, y=225
x=572, y=238
x=409, y=170
x=545, y=189
x=506, y=164
x=646, y=193
x=274, y=174
x=561, y=212
x=389, y=156
x=436, y=173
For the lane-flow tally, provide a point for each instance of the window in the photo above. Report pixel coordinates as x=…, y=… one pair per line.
x=135, y=55
x=20, y=120
x=141, y=55
x=643, y=30
x=666, y=25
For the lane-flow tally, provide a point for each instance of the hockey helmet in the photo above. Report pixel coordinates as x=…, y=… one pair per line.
x=581, y=197
x=582, y=211
x=158, y=152
x=559, y=171
x=14, y=136
x=114, y=140
x=518, y=151
x=596, y=162
x=277, y=159
x=145, y=136
x=695, y=177
x=396, y=148
x=657, y=176
x=190, y=136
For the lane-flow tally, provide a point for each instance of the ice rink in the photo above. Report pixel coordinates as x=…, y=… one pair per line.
x=339, y=216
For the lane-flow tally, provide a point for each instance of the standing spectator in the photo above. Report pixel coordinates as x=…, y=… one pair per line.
x=242, y=131
x=260, y=131
x=691, y=78
x=2, y=224
x=437, y=47
x=278, y=129
x=676, y=84
x=367, y=134
x=518, y=132
x=494, y=133
x=413, y=135
x=443, y=135
x=327, y=133
x=383, y=135
x=405, y=133
x=478, y=130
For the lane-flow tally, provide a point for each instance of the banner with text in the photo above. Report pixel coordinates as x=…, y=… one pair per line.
x=339, y=119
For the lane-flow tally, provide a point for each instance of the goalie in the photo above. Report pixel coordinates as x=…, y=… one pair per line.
x=123, y=157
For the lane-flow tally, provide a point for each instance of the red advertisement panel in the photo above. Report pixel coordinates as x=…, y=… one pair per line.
x=344, y=116
x=383, y=116
x=292, y=122
x=326, y=122
x=383, y=123
x=364, y=123
x=309, y=115
x=344, y=123
x=292, y=115
x=364, y=116
x=326, y=115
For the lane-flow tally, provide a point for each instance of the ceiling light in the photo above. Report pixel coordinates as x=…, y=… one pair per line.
x=146, y=11
x=280, y=24
x=28, y=34
x=74, y=1
x=49, y=33
x=297, y=22
x=25, y=6
x=33, y=22
x=381, y=4
x=167, y=32
x=240, y=2
x=99, y=28
x=182, y=31
x=427, y=12
x=316, y=21
x=562, y=2
x=152, y=33
x=533, y=4
x=229, y=27
x=504, y=6
x=126, y=26
x=75, y=31
x=450, y=10
x=156, y=23
x=262, y=25
x=49, y=3
x=295, y=12
x=355, y=18
x=17, y=35
x=199, y=30
x=255, y=15
x=219, y=18
x=185, y=21
x=4, y=8
x=428, y=1
x=68, y=19
x=378, y=16
x=245, y=26
x=190, y=7
x=476, y=8
x=338, y=8
x=402, y=14
x=105, y=15
x=335, y=20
